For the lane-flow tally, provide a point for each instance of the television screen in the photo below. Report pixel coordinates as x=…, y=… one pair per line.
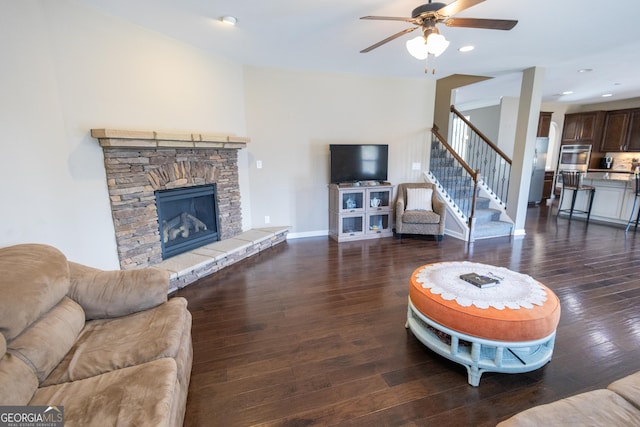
x=361, y=162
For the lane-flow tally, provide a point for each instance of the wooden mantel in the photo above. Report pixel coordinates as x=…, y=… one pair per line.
x=115, y=138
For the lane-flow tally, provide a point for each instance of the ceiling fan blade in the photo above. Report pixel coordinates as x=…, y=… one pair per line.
x=456, y=7
x=388, y=18
x=489, y=24
x=388, y=39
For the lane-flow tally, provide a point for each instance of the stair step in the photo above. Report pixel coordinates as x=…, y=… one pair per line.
x=484, y=216
x=453, y=171
x=444, y=160
x=492, y=229
x=482, y=203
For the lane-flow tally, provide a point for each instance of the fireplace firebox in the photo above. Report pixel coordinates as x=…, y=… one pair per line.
x=187, y=218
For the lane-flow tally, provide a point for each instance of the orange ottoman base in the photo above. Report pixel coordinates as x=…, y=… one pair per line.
x=508, y=328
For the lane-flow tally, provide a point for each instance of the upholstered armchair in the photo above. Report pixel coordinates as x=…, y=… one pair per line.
x=419, y=210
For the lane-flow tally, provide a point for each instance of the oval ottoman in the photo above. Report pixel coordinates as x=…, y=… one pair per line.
x=508, y=327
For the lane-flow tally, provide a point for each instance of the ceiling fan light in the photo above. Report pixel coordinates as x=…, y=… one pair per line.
x=437, y=44
x=418, y=48
x=229, y=20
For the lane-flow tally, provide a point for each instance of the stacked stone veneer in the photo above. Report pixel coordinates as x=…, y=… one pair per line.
x=139, y=163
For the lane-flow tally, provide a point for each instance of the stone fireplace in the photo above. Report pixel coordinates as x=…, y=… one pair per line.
x=140, y=164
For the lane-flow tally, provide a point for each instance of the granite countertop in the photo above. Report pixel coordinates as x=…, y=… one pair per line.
x=610, y=176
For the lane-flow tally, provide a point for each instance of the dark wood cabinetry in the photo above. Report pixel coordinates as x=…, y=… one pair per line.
x=616, y=126
x=583, y=128
x=544, y=124
x=633, y=140
x=621, y=131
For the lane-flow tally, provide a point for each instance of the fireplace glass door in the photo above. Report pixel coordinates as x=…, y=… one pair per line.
x=187, y=218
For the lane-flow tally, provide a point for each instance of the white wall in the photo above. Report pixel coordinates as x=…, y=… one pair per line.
x=293, y=116
x=66, y=69
x=487, y=120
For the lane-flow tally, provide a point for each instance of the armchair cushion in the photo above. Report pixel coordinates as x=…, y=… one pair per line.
x=419, y=199
x=420, y=217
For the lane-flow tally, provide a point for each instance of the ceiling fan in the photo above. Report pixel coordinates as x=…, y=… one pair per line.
x=430, y=14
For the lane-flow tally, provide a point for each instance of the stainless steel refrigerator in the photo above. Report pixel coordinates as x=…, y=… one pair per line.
x=537, y=173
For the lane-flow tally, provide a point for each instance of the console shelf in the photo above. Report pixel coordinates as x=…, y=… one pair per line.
x=360, y=212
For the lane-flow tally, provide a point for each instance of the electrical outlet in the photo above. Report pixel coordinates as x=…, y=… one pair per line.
x=415, y=166
x=267, y=219
x=259, y=164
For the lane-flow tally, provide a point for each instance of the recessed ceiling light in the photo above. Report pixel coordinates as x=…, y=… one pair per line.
x=567, y=92
x=229, y=20
x=585, y=70
x=468, y=48
x=606, y=95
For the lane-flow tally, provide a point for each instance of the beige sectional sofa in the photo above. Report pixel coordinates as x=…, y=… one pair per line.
x=617, y=405
x=109, y=346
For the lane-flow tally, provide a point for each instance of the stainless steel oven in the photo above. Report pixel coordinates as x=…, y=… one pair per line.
x=574, y=157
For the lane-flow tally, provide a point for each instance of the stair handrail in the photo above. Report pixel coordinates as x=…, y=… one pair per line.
x=481, y=135
x=480, y=152
x=474, y=174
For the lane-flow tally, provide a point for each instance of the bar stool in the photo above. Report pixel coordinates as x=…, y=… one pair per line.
x=635, y=201
x=572, y=180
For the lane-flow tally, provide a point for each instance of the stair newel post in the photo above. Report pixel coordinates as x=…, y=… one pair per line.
x=472, y=215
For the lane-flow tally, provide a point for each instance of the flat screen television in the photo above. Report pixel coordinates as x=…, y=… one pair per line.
x=359, y=162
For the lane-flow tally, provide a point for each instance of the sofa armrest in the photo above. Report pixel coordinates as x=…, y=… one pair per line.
x=106, y=294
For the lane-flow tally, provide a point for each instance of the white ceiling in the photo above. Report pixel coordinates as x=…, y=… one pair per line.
x=561, y=36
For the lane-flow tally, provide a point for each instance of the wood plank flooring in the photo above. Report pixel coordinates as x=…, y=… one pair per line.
x=311, y=332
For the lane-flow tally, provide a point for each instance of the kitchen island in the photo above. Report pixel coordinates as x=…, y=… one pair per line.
x=613, y=198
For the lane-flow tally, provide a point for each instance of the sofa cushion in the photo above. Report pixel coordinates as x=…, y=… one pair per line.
x=107, y=294
x=18, y=382
x=628, y=387
x=420, y=217
x=109, y=344
x=595, y=408
x=46, y=342
x=140, y=395
x=34, y=279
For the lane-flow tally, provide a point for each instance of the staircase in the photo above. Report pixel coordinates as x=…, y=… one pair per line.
x=456, y=185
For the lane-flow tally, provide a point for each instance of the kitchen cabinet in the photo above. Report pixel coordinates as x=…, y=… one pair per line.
x=633, y=138
x=583, y=128
x=544, y=124
x=616, y=126
x=621, y=131
x=360, y=212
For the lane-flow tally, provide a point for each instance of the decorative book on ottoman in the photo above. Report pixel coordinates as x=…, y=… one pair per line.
x=479, y=281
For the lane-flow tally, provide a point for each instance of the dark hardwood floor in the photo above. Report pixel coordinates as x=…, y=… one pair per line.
x=311, y=332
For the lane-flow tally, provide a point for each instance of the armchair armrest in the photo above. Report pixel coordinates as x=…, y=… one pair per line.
x=399, y=206
x=106, y=294
x=438, y=206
